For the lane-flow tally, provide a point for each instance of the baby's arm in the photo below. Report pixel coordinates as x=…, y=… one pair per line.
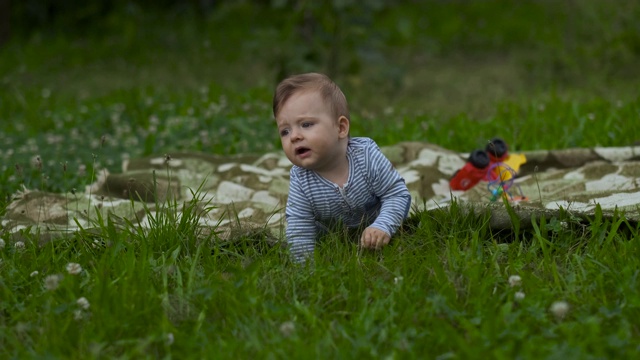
x=301, y=225
x=393, y=194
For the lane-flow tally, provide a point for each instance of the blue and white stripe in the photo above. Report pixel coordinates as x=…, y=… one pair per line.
x=374, y=195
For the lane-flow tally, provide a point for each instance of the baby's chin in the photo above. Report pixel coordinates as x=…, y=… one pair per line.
x=300, y=165
x=295, y=162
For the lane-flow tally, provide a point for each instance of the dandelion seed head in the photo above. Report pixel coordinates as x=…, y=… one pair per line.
x=515, y=280
x=77, y=315
x=170, y=338
x=19, y=245
x=519, y=296
x=74, y=268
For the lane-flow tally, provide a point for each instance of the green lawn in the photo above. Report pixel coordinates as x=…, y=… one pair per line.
x=538, y=74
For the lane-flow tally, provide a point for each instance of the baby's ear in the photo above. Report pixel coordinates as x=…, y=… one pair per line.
x=343, y=126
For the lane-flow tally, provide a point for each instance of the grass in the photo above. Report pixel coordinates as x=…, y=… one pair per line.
x=441, y=291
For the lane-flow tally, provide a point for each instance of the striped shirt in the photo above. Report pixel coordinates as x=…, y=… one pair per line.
x=374, y=195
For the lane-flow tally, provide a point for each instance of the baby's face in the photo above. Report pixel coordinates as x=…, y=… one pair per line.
x=309, y=132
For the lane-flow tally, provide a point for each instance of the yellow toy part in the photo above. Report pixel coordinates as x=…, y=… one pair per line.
x=509, y=166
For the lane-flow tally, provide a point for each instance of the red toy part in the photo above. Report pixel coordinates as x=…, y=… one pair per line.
x=472, y=172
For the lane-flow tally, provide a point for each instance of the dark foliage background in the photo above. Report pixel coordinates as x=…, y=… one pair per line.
x=341, y=34
x=198, y=75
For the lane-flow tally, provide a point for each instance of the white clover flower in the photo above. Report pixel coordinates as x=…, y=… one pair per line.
x=2, y=243
x=287, y=328
x=518, y=296
x=559, y=309
x=19, y=245
x=78, y=315
x=74, y=268
x=83, y=303
x=515, y=280
x=34, y=273
x=51, y=282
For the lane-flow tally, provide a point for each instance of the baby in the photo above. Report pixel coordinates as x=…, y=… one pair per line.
x=334, y=178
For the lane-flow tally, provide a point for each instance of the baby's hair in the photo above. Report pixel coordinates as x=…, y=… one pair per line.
x=329, y=91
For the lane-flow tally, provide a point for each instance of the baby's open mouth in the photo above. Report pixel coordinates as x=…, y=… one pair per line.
x=302, y=150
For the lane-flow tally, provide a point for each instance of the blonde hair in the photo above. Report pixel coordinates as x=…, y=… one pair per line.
x=329, y=91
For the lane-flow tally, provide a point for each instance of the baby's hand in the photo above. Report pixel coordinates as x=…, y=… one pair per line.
x=373, y=238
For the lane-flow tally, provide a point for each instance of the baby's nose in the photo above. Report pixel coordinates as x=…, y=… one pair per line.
x=296, y=135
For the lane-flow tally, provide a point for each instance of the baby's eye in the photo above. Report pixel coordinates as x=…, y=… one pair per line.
x=284, y=132
x=307, y=124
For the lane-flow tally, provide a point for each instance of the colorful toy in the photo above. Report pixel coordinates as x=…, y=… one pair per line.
x=494, y=165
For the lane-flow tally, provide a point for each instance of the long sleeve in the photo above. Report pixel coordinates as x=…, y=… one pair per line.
x=391, y=189
x=301, y=227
